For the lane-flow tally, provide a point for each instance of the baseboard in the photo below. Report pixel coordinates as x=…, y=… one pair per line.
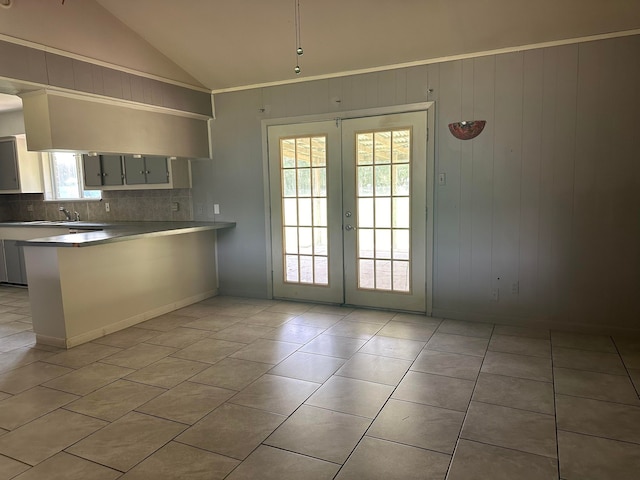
x=124, y=323
x=51, y=341
x=548, y=323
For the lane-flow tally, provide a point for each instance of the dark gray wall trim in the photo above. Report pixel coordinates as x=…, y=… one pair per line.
x=32, y=65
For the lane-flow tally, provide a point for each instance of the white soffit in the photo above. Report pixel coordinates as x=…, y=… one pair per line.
x=10, y=102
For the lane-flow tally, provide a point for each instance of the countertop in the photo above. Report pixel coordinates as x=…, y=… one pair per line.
x=96, y=233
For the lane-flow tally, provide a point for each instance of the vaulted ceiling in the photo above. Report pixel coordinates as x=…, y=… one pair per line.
x=234, y=43
x=230, y=44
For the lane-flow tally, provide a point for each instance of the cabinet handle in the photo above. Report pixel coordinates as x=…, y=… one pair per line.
x=148, y=172
x=141, y=172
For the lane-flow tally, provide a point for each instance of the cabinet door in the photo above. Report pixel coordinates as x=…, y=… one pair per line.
x=3, y=264
x=156, y=169
x=134, y=170
x=8, y=165
x=13, y=261
x=23, y=266
x=112, y=170
x=92, y=171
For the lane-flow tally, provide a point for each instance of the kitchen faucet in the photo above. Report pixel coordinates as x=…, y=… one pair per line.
x=67, y=214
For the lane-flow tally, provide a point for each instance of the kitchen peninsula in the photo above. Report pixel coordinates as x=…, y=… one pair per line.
x=89, y=284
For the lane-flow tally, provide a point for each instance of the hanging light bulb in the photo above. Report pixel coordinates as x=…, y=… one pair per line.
x=299, y=51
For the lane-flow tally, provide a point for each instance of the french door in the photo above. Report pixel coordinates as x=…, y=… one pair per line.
x=348, y=211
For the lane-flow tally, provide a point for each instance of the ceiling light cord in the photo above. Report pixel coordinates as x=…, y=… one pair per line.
x=299, y=51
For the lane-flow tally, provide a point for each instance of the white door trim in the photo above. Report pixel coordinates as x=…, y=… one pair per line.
x=412, y=107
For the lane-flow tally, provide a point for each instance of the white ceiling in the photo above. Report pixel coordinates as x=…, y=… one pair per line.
x=234, y=43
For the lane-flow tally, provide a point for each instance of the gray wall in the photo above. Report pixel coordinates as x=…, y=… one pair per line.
x=544, y=205
x=11, y=123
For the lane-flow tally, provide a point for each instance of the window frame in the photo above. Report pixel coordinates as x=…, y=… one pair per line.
x=51, y=187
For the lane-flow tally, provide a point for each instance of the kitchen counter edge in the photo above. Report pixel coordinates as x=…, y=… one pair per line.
x=114, y=232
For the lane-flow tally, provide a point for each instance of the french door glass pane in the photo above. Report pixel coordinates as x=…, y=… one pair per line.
x=319, y=151
x=401, y=276
x=288, y=153
x=292, y=272
x=320, y=212
x=305, y=212
x=304, y=182
x=365, y=212
x=366, y=274
x=383, y=179
x=303, y=164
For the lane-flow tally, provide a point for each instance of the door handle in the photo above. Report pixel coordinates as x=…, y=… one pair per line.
x=349, y=227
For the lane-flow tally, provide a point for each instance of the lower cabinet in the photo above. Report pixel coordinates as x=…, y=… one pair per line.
x=15, y=271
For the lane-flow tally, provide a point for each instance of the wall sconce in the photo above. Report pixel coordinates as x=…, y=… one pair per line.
x=467, y=130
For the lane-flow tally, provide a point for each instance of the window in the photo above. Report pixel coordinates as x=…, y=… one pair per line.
x=63, y=178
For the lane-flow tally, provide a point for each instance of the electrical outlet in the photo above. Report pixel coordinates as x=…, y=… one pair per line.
x=495, y=295
x=107, y=207
x=515, y=288
x=175, y=206
x=216, y=209
x=199, y=209
x=442, y=179
x=29, y=208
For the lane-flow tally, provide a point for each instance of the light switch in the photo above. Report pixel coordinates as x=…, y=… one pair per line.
x=442, y=179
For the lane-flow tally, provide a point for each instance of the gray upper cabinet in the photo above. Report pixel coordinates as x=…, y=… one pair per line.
x=128, y=172
x=146, y=170
x=8, y=165
x=102, y=170
x=156, y=170
x=20, y=170
x=134, y=170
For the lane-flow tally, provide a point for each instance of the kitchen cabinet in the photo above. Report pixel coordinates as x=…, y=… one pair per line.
x=20, y=170
x=102, y=170
x=141, y=170
x=3, y=265
x=8, y=166
x=16, y=271
x=12, y=258
x=128, y=172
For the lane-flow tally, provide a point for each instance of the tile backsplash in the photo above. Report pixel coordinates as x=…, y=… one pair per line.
x=124, y=205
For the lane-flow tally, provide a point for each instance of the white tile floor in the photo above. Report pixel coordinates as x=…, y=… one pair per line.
x=250, y=389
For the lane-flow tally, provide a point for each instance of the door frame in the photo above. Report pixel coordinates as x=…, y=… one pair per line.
x=429, y=107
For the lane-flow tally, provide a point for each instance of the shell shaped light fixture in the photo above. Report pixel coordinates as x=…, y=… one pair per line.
x=466, y=130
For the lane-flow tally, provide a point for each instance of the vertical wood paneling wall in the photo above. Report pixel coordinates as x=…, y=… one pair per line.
x=543, y=207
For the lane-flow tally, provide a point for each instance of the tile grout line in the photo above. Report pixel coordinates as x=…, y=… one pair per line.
x=626, y=368
x=466, y=413
x=383, y=405
x=555, y=408
x=299, y=406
